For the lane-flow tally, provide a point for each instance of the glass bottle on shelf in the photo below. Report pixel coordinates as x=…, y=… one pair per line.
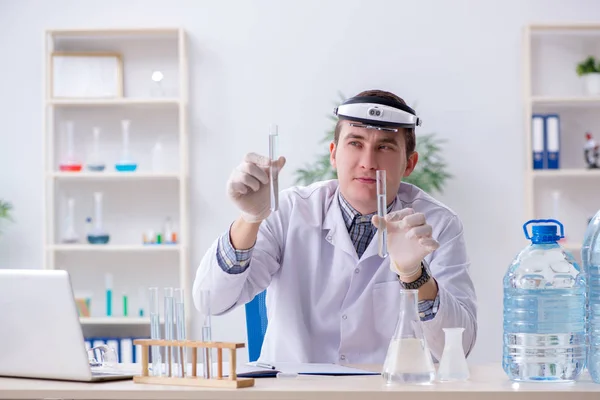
x=126, y=163
x=95, y=163
x=98, y=235
x=70, y=235
x=69, y=163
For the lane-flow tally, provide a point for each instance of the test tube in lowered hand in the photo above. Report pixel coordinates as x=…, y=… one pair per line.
x=273, y=169
x=381, y=212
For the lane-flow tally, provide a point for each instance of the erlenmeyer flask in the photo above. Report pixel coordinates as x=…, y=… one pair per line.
x=70, y=235
x=453, y=365
x=408, y=359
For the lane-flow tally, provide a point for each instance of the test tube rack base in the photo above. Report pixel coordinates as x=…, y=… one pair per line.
x=219, y=381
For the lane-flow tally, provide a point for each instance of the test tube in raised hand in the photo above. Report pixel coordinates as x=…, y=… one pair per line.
x=273, y=169
x=381, y=212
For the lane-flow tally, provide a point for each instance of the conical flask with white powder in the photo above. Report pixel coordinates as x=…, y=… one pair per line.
x=408, y=359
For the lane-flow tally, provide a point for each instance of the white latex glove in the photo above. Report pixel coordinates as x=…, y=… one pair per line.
x=248, y=186
x=408, y=240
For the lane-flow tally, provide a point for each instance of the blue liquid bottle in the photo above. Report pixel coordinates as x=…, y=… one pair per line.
x=590, y=258
x=544, y=310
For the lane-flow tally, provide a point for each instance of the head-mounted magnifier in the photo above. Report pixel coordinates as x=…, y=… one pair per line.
x=377, y=113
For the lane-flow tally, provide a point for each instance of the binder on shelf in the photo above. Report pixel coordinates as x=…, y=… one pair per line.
x=552, y=141
x=137, y=354
x=537, y=141
x=126, y=353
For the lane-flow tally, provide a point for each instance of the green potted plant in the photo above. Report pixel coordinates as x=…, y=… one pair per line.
x=5, y=208
x=589, y=71
x=430, y=174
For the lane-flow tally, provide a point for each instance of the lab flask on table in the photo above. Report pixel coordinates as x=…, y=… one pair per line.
x=408, y=358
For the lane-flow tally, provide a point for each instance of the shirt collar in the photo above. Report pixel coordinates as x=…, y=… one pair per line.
x=350, y=214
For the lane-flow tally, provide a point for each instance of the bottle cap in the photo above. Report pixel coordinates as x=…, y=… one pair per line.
x=544, y=234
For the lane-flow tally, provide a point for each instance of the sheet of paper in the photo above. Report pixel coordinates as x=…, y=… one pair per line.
x=250, y=369
x=319, y=369
x=242, y=369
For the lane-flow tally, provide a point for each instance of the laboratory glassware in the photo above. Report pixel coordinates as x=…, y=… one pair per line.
x=103, y=356
x=169, y=331
x=453, y=364
x=206, y=330
x=126, y=163
x=70, y=235
x=408, y=358
x=274, y=167
x=95, y=163
x=70, y=162
x=381, y=212
x=108, y=281
x=157, y=88
x=180, y=331
x=125, y=299
x=168, y=231
x=159, y=162
x=154, y=311
x=98, y=235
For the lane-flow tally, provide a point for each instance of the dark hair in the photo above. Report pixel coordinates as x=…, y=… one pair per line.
x=409, y=133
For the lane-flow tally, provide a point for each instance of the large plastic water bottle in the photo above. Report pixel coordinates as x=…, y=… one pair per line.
x=590, y=258
x=544, y=310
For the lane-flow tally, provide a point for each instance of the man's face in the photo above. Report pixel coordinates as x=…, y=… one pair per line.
x=362, y=151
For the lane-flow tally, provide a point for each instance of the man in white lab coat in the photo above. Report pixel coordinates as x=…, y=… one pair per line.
x=330, y=296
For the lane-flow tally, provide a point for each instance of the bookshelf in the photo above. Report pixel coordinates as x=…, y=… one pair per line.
x=551, y=53
x=134, y=203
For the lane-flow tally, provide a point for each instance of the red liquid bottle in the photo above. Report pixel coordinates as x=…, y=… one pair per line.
x=70, y=163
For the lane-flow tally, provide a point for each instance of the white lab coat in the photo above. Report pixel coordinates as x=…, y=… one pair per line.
x=323, y=303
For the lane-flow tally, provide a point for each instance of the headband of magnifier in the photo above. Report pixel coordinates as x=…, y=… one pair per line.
x=378, y=113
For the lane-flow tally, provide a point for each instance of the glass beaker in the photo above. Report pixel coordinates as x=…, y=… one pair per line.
x=126, y=163
x=95, y=163
x=408, y=359
x=453, y=364
x=70, y=161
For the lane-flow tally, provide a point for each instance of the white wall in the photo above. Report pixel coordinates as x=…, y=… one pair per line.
x=257, y=62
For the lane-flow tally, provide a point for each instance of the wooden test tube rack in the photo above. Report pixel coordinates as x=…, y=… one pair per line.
x=231, y=381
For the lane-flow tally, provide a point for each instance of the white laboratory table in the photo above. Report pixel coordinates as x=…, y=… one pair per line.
x=487, y=382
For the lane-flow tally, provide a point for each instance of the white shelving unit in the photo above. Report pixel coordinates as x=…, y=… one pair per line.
x=98, y=176
x=114, y=248
x=114, y=321
x=551, y=86
x=134, y=202
x=114, y=102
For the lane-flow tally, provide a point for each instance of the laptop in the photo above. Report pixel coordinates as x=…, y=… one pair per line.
x=40, y=333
